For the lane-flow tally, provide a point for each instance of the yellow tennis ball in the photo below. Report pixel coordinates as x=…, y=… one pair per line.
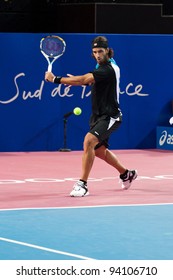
x=77, y=111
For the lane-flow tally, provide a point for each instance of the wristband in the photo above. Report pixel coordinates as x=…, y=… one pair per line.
x=57, y=80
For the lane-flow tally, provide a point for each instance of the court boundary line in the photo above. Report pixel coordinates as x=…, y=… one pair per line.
x=90, y=206
x=44, y=248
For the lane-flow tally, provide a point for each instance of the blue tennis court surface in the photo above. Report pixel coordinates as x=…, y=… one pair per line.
x=135, y=232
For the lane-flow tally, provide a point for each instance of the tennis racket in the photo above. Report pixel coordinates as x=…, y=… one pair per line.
x=52, y=47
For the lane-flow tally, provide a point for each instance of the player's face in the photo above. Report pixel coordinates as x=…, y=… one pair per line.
x=100, y=54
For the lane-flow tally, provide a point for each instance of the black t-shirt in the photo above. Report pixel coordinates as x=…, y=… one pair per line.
x=105, y=90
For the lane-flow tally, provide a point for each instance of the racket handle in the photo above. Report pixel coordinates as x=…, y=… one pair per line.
x=49, y=68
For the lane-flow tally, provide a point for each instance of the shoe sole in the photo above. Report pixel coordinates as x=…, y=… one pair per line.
x=80, y=195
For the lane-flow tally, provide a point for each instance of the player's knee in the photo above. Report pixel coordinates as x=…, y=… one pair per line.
x=90, y=141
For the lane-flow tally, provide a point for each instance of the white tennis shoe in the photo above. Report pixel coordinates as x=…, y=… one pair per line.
x=128, y=178
x=79, y=189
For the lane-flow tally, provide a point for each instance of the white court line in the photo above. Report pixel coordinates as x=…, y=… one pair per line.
x=94, y=206
x=44, y=248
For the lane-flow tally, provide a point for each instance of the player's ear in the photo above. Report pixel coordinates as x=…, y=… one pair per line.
x=107, y=50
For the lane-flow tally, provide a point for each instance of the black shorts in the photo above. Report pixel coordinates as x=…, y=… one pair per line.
x=102, y=127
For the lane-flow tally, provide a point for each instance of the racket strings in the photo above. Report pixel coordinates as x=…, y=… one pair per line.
x=53, y=46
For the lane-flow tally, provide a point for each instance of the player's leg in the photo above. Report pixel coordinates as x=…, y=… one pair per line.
x=110, y=158
x=80, y=187
x=126, y=176
x=90, y=142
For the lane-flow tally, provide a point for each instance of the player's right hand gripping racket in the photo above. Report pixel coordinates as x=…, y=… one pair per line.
x=52, y=47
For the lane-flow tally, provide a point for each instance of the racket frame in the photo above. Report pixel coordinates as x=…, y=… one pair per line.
x=48, y=57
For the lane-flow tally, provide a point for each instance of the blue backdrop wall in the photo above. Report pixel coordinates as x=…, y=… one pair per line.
x=31, y=110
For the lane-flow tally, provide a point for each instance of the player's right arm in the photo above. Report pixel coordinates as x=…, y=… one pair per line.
x=72, y=80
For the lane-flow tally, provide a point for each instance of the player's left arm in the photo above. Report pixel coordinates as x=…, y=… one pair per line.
x=72, y=80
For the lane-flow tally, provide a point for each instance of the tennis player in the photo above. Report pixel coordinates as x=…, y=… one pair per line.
x=106, y=114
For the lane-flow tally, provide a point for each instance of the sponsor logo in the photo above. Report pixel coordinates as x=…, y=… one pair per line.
x=96, y=132
x=166, y=138
x=61, y=91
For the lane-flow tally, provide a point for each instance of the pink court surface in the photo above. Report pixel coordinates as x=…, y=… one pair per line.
x=45, y=179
